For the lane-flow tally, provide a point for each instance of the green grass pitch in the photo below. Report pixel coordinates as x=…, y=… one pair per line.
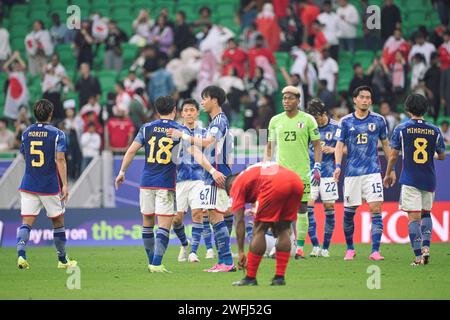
x=121, y=273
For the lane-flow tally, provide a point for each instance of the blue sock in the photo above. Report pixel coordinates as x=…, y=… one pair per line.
x=217, y=249
x=426, y=228
x=377, y=231
x=59, y=237
x=312, y=227
x=415, y=237
x=229, y=222
x=197, y=229
x=249, y=230
x=349, y=226
x=223, y=242
x=23, y=235
x=329, y=228
x=179, y=231
x=207, y=233
x=162, y=240
x=148, y=238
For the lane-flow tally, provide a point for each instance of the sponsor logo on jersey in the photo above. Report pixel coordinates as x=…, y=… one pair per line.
x=372, y=127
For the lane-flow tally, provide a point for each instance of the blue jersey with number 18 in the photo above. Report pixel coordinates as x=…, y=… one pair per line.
x=418, y=141
x=40, y=143
x=160, y=170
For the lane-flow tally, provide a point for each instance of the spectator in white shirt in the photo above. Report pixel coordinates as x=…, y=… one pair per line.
x=419, y=69
x=423, y=47
x=39, y=46
x=348, y=22
x=91, y=106
x=330, y=21
x=90, y=145
x=445, y=132
x=131, y=83
x=7, y=137
x=328, y=70
x=5, y=49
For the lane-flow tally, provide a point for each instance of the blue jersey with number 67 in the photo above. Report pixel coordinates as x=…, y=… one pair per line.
x=40, y=143
x=161, y=152
x=418, y=141
x=361, y=137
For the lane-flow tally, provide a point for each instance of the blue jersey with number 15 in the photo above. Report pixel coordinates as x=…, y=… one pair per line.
x=418, y=141
x=40, y=143
x=160, y=170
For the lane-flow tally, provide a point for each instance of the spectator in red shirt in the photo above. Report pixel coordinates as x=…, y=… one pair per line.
x=308, y=13
x=234, y=57
x=119, y=131
x=268, y=25
x=259, y=50
x=444, y=52
x=320, y=42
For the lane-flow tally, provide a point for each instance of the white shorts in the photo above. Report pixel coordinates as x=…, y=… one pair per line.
x=413, y=199
x=188, y=195
x=158, y=202
x=31, y=205
x=368, y=187
x=327, y=190
x=214, y=198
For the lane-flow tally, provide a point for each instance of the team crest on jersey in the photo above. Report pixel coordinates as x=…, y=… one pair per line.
x=300, y=125
x=328, y=135
x=372, y=127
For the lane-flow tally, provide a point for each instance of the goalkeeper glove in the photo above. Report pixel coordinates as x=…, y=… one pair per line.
x=315, y=174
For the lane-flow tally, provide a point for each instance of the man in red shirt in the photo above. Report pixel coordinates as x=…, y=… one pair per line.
x=234, y=57
x=119, y=131
x=276, y=192
x=259, y=50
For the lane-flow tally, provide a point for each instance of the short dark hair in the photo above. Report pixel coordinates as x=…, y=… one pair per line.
x=204, y=8
x=416, y=104
x=190, y=101
x=356, y=65
x=139, y=91
x=165, y=105
x=214, y=92
x=120, y=84
x=442, y=122
x=4, y=120
x=182, y=13
x=316, y=107
x=42, y=110
x=229, y=182
x=356, y=92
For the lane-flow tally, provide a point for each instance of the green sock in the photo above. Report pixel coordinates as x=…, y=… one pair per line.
x=302, y=228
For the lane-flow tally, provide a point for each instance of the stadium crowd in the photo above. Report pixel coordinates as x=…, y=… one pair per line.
x=307, y=44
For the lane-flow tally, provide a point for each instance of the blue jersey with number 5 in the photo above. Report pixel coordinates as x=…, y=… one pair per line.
x=418, y=141
x=361, y=137
x=40, y=142
x=160, y=170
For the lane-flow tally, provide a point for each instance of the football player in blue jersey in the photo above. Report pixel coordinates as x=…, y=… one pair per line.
x=216, y=166
x=327, y=190
x=44, y=184
x=419, y=141
x=188, y=189
x=360, y=131
x=157, y=190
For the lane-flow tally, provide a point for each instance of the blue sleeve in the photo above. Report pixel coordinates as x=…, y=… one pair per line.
x=440, y=145
x=395, y=139
x=140, y=137
x=61, y=146
x=383, y=129
x=217, y=131
x=341, y=132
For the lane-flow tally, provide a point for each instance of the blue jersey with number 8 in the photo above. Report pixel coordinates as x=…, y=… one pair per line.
x=40, y=142
x=418, y=141
x=161, y=152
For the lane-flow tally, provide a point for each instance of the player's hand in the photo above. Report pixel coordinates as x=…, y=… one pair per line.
x=174, y=133
x=327, y=149
x=242, y=262
x=119, y=179
x=219, y=178
x=389, y=180
x=64, y=194
x=315, y=174
x=337, y=173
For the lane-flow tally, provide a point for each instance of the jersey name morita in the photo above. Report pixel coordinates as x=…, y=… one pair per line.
x=188, y=169
x=327, y=138
x=160, y=152
x=361, y=137
x=218, y=152
x=40, y=143
x=418, y=141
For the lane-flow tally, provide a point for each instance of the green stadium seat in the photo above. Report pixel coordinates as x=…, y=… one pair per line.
x=126, y=26
x=18, y=44
x=130, y=52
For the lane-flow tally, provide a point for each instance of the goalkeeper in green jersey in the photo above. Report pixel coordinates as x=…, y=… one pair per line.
x=289, y=134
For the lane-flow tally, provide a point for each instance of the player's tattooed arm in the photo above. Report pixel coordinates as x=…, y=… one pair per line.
x=127, y=159
x=62, y=170
x=390, y=178
x=240, y=234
